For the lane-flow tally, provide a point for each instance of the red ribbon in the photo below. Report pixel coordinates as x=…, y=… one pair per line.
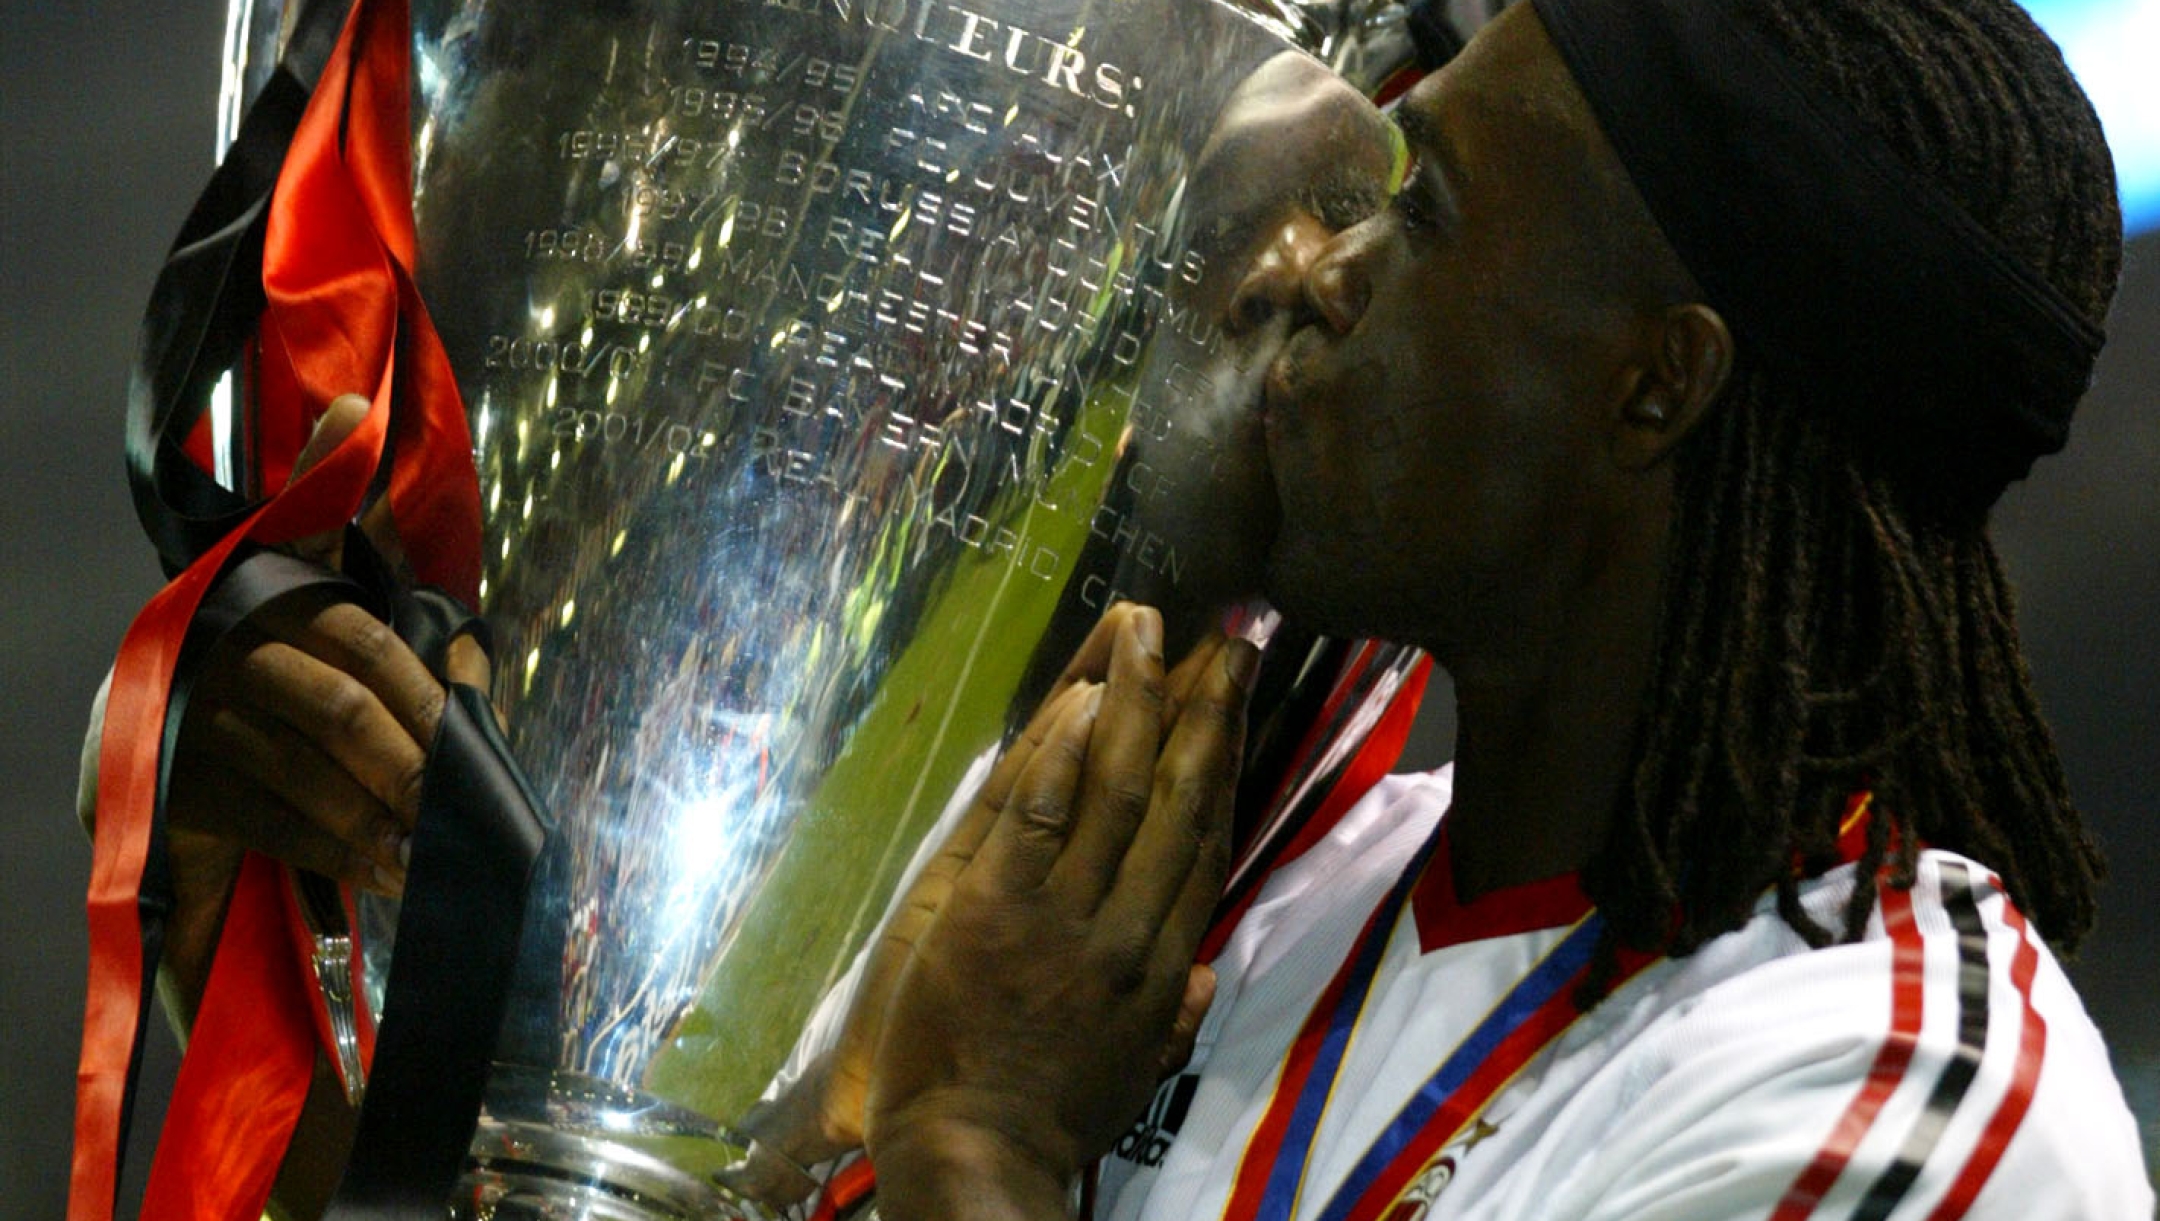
x=1375, y=758
x=341, y=310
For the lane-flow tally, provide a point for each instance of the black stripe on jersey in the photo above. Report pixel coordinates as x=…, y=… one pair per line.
x=1957, y=1075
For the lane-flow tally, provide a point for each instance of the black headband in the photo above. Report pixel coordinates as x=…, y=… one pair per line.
x=1825, y=253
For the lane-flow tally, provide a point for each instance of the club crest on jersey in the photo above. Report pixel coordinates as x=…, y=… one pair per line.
x=1417, y=1199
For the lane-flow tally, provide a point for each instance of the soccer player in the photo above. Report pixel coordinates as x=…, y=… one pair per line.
x=1664, y=406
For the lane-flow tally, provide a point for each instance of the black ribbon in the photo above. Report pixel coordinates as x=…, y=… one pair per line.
x=480, y=828
x=479, y=833
x=206, y=303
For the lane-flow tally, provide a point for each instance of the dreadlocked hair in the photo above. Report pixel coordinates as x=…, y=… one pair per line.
x=1832, y=624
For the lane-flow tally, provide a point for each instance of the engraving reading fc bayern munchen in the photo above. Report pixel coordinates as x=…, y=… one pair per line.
x=1059, y=64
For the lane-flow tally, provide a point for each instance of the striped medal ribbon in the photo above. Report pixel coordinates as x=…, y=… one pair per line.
x=1536, y=1011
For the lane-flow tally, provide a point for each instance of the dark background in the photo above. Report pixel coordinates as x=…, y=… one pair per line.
x=105, y=135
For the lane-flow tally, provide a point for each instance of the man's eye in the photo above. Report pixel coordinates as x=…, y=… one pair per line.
x=1410, y=202
x=1406, y=186
x=1414, y=215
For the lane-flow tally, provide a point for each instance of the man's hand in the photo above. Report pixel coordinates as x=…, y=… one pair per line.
x=305, y=739
x=820, y=1116
x=1028, y=1024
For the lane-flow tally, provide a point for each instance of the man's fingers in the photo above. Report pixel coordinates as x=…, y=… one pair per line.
x=1192, y=1010
x=337, y=423
x=467, y=663
x=1036, y=818
x=1091, y=661
x=1117, y=781
x=379, y=523
x=1181, y=851
x=345, y=636
x=1179, y=683
x=962, y=842
x=997, y=788
x=342, y=715
x=251, y=815
x=1089, y=666
x=843, y=1076
x=300, y=776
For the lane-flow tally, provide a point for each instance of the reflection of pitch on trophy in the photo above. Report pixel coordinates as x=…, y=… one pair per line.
x=1295, y=155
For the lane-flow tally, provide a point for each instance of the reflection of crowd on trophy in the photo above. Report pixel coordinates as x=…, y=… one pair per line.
x=1734, y=902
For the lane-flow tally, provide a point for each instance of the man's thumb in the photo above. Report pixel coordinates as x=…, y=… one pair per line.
x=337, y=423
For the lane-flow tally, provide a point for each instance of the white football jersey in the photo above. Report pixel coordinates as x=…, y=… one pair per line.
x=1940, y=1067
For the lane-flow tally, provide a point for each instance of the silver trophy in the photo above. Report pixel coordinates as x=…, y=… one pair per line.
x=831, y=366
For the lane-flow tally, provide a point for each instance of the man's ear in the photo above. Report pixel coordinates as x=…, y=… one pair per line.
x=1685, y=367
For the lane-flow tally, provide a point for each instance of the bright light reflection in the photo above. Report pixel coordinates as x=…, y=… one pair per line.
x=221, y=431
x=706, y=831
x=2113, y=46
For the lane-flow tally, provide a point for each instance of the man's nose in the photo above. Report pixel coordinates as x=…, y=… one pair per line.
x=1275, y=281
x=1337, y=285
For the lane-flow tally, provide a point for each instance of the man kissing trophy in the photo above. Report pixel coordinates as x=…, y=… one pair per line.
x=820, y=373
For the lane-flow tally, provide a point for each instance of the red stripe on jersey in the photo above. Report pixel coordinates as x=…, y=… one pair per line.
x=1383, y=746
x=2032, y=1048
x=1397, y=84
x=1852, y=829
x=1381, y=750
x=1907, y=960
x=1444, y=919
x=846, y=1187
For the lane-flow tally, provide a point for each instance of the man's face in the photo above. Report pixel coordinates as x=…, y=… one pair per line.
x=1296, y=156
x=1433, y=426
